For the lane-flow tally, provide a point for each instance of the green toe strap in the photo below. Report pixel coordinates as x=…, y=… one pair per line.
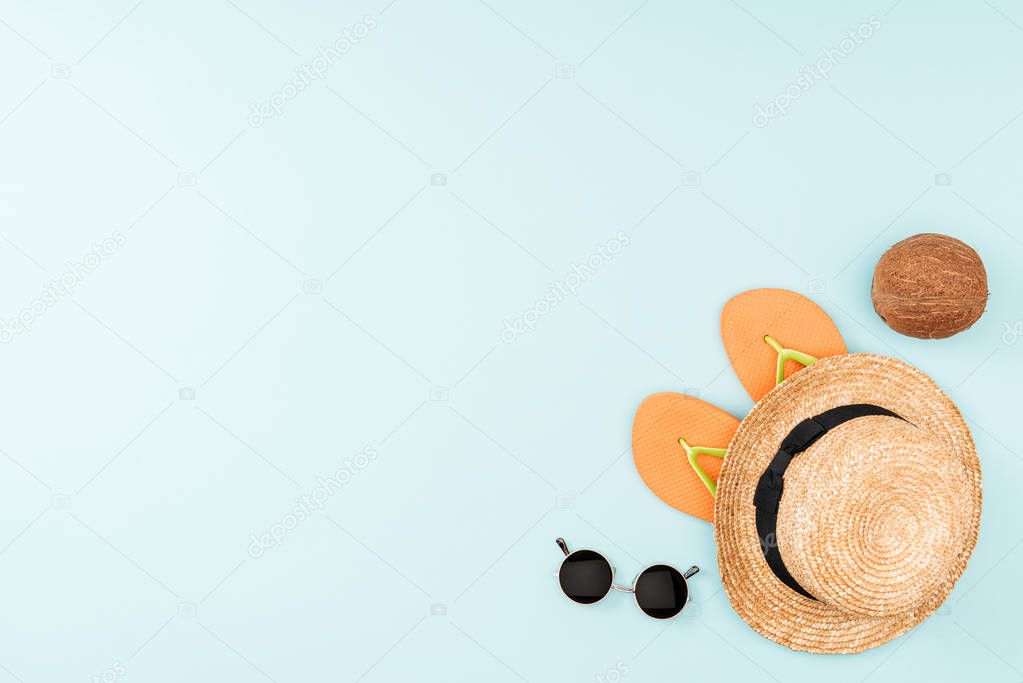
x=692, y=452
x=785, y=355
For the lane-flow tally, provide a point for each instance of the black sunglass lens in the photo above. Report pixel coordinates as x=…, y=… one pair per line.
x=661, y=591
x=585, y=576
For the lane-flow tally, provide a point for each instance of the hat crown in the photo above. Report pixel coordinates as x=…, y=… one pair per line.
x=873, y=515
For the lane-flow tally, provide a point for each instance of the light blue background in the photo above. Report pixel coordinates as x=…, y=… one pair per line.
x=321, y=295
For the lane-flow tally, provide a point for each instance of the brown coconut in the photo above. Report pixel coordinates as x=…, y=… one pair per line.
x=929, y=286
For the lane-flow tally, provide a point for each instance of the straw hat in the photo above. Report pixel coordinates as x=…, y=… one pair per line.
x=840, y=534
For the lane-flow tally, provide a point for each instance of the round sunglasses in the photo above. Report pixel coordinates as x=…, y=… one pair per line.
x=586, y=577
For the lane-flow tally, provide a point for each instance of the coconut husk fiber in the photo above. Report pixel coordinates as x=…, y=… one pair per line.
x=929, y=286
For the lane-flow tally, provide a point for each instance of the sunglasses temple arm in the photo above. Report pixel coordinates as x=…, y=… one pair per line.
x=561, y=544
x=692, y=571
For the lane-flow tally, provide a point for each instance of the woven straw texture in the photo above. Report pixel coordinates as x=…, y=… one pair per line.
x=877, y=519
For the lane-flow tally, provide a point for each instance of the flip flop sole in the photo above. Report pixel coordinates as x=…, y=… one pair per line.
x=793, y=320
x=664, y=418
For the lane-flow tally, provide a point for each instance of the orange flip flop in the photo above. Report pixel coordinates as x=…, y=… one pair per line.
x=678, y=442
x=771, y=333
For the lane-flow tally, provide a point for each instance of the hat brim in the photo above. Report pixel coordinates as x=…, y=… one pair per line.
x=770, y=607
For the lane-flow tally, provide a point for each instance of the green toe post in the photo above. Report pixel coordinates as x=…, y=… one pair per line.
x=692, y=452
x=785, y=355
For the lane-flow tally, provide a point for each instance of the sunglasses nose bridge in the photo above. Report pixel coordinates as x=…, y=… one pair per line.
x=623, y=589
